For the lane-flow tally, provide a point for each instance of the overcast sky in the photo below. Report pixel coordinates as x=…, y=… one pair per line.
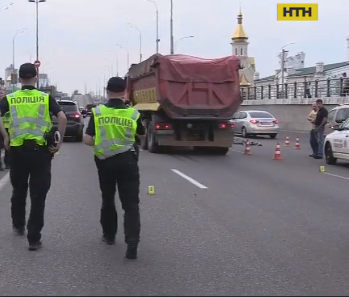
x=78, y=38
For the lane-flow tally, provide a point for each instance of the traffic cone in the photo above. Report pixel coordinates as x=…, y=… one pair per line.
x=277, y=155
x=247, y=148
x=297, y=145
x=287, y=142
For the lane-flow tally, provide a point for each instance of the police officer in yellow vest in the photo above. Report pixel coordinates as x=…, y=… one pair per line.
x=111, y=131
x=6, y=121
x=30, y=155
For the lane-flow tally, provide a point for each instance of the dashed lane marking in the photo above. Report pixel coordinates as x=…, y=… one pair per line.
x=189, y=179
x=335, y=175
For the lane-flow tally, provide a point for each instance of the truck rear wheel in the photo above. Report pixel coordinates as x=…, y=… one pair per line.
x=144, y=140
x=153, y=147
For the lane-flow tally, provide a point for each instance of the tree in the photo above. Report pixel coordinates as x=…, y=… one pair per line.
x=76, y=92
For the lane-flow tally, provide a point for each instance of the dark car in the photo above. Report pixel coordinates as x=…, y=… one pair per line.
x=89, y=107
x=75, y=125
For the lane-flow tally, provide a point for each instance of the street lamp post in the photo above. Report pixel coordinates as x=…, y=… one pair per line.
x=5, y=7
x=171, y=29
x=283, y=52
x=13, y=57
x=157, y=25
x=116, y=63
x=140, y=40
x=128, y=55
x=37, y=33
x=179, y=40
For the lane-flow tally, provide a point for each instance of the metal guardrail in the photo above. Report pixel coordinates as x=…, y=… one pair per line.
x=307, y=89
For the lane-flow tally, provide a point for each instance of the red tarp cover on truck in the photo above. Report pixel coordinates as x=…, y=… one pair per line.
x=194, y=87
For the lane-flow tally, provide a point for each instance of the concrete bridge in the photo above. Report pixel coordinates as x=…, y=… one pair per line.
x=291, y=104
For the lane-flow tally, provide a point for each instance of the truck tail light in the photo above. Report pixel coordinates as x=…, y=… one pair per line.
x=226, y=125
x=163, y=126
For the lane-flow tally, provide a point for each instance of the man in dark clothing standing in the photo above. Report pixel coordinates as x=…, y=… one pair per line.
x=111, y=131
x=319, y=123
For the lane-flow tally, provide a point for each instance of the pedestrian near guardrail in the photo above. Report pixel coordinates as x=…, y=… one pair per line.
x=312, y=137
x=320, y=122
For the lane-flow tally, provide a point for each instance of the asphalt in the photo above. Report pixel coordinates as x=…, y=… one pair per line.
x=255, y=227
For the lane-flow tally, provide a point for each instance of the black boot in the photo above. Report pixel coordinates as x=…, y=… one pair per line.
x=19, y=231
x=34, y=246
x=131, y=252
x=110, y=240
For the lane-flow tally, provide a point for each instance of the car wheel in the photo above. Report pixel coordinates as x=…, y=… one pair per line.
x=329, y=154
x=272, y=136
x=243, y=132
x=144, y=140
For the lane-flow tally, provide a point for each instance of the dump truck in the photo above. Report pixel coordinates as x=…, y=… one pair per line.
x=186, y=101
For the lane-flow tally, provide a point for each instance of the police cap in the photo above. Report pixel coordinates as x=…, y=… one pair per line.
x=27, y=71
x=116, y=85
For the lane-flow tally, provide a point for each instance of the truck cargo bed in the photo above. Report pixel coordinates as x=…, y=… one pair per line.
x=187, y=87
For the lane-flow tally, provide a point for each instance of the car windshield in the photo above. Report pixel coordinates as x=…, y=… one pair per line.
x=67, y=106
x=345, y=125
x=260, y=115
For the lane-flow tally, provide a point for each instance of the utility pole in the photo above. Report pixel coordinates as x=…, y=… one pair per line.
x=157, y=31
x=37, y=34
x=283, y=67
x=283, y=56
x=171, y=29
x=104, y=87
x=157, y=25
x=13, y=78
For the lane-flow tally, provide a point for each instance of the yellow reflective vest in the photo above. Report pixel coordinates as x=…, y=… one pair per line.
x=29, y=116
x=115, y=130
x=6, y=119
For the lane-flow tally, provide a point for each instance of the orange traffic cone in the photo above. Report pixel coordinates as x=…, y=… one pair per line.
x=287, y=142
x=277, y=155
x=297, y=145
x=247, y=148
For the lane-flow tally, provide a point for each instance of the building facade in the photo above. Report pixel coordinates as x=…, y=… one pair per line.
x=316, y=80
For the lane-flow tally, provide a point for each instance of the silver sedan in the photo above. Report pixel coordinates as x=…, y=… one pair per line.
x=255, y=122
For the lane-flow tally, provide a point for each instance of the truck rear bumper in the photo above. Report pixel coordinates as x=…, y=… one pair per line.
x=167, y=138
x=169, y=142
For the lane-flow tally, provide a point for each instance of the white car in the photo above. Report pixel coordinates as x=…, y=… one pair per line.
x=337, y=144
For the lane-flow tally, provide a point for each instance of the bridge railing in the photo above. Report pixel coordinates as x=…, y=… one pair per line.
x=310, y=89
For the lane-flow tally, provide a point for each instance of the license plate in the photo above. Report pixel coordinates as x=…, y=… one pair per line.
x=267, y=124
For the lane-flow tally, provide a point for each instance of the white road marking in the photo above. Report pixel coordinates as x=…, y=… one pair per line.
x=335, y=175
x=4, y=181
x=237, y=151
x=189, y=179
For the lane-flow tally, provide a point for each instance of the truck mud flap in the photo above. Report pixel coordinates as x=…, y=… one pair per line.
x=242, y=141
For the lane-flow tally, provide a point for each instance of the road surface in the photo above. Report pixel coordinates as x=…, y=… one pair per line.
x=232, y=225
